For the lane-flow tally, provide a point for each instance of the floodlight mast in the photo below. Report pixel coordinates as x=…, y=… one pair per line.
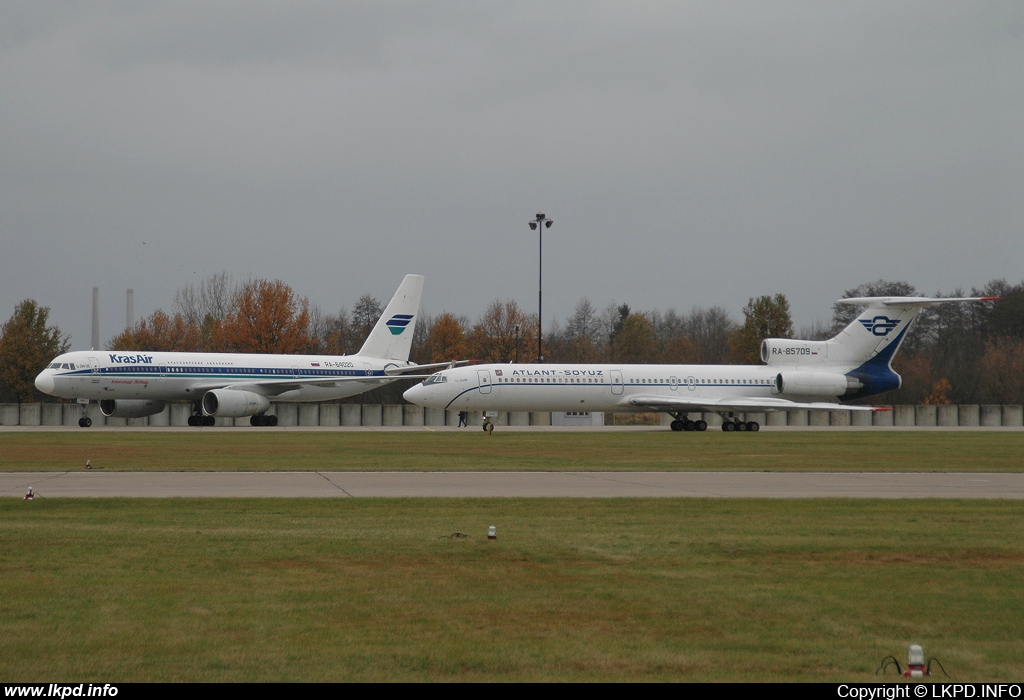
x=538, y=225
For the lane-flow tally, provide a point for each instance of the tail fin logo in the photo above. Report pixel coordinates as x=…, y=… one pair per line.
x=880, y=325
x=397, y=323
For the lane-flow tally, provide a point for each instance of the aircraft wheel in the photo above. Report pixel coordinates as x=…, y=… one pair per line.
x=272, y=421
x=85, y=422
x=753, y=426
x=255, y=421
x=701, y=425
x=689, y=426
x=728, y=426
x=210, y=421
x=193, y=421
x=676, y=425
x=741, y=426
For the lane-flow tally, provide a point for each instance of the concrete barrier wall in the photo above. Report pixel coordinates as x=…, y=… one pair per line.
x=330, y=415
x=9, y=414
x=52, y=414
x=883, y=418
x=924, y=416
x=391, y=415
x=309, y=414
x=947, y=415
x=373, y=415
x=351, y=414
x=905, y=416
x=412, y=415
x=354, y=415
x=860, y=418
x=991, y=416
x=817, y=418
x=797, y=418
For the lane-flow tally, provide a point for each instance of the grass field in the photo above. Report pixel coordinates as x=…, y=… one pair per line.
x=518, y=451
x=572, y=590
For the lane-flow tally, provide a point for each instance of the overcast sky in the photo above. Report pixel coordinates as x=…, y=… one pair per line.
x=690, y=154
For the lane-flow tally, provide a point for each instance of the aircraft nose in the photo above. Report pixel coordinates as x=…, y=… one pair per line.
x=44, y=382
x=415, y=394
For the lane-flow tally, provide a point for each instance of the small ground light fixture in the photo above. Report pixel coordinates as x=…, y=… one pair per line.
x=492, y=533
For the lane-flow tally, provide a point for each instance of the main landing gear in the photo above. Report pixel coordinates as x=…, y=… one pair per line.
x=197, y=421
x=261, y=420
x=688, y=425
x=729, y=424
x=739, y=426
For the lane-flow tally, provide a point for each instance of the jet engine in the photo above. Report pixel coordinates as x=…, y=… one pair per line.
x=130, y=408
x=815, y=384
x=232, y=403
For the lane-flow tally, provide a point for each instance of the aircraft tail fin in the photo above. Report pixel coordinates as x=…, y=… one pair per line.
x=391, y=338
x=863, y=351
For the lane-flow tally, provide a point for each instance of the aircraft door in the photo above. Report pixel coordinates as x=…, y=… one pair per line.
x=691, y=383
x=95, y=366
x=673, y=382
x=616, y=381
x=484, y=379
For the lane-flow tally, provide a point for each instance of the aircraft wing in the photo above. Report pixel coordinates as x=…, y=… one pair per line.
x=275, y=387
x=404, y=372
x=743, y=403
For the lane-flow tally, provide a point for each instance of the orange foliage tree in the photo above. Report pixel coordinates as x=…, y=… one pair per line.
x=160, y=332
x=504, y=334
x=447, y=339
x=267, y=317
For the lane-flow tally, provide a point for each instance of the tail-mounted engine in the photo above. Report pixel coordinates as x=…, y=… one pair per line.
x=831, y=384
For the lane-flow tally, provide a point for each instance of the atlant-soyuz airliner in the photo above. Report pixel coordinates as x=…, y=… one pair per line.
x=132, y=384
x=796, y=374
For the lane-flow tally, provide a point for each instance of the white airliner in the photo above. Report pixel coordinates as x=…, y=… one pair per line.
x=797, y=374
x=132, y=384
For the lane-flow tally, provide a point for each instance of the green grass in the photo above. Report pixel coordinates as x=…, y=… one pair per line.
x=572, y=590
x=518, y=451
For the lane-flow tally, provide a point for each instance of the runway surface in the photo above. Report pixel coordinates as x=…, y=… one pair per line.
x=93, y=484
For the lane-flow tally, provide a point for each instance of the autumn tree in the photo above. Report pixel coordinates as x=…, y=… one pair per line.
x=709, y=331
x=1002, y=372
x=267, y=317
x=765, y=317
x=214, y=297
x=365, y=315
x=27, y=345
x=636, y=340
x=160, y=332
x=504, y=334
x=446, y=339
x=580, y=341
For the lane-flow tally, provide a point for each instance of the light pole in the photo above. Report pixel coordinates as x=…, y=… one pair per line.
x=539, y=224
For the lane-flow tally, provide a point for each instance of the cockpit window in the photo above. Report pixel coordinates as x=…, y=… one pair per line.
x=54, y=365
x=437, y=378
